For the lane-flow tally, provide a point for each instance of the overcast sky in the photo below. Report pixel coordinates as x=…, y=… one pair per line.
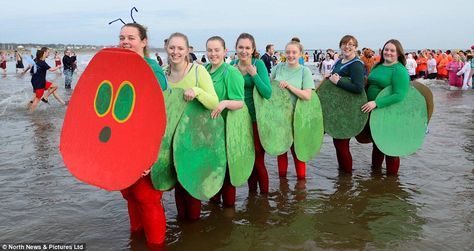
x=319, y=24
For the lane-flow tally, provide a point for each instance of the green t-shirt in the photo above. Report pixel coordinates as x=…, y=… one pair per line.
x=382, y=76
x=228, y=83
x=160, y=75
x=260, y=80
x=352, y=75
x=299, y=77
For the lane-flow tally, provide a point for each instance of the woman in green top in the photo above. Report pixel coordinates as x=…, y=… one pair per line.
x=197, y=83
x=229, y=86
x=298, y=80
x=390, y=71
x=255, y=75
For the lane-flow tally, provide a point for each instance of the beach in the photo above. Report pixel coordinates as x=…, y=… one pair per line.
x=428, y=206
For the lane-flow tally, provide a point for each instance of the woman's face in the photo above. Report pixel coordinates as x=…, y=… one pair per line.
x=348, y=49
x=215, y=52
x=130, y=39
x=177, y=50
x=293, y=54
x=390, y=53
x=244, y=49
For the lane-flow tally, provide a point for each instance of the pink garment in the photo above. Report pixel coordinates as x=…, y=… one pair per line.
x=453, y=67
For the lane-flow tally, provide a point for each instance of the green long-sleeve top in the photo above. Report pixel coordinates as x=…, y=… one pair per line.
x=200, y=81
x=228, y=83
x=260, y=80
x=160, y=75
x=382, y=76
x=352, y=75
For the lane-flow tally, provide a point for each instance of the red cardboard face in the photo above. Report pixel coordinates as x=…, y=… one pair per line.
x=114, y=122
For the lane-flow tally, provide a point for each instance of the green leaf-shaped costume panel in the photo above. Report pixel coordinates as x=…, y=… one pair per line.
x=199, y=151
x=399, y=129
x=274, y=120
x=308, y=128
x=342, y=113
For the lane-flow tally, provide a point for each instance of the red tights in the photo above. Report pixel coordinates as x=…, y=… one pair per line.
x=188, y=207
x=145, y=210
x=259, y=174
x=227, y=192
x=392, y=163
x=344, y=157
x=300, y=166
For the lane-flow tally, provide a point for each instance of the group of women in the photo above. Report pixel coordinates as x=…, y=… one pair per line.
x=219, y=87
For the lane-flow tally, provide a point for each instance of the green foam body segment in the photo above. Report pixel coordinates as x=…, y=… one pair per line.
x=274, y=120
x=240, y=147
x=163, y=174
x=399, y=129
x=308, y=128
x=199, y=151
x=342, y=113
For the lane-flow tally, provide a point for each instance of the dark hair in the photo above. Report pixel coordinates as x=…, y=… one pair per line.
x=141, y=32
x=296, y=39
x=39, y=54
x=268, y=47
x=218, y=38
x=250, y=37
x=400, y=52
x=346, y=39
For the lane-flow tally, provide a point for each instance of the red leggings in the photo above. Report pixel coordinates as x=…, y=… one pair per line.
x=300, y=166
x=259, y=174
x=145, y=210
x=344, y=157
x=188, y=207
x=392, y=163
x=227, y=192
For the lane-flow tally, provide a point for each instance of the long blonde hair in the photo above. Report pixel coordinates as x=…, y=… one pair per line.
x=186, y=57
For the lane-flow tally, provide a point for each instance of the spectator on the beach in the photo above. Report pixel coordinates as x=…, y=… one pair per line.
x=326, y=65
x=203, y=59
x=411, y=66
x=267, y=58
x=465, y=71
x=3, y=62
x=38, y=80
x=368, y=59
x=19, y=62
x=432, y=70
x=68, y=63
x=158, y=58
x=453, y=67
x=192, y=56
x=442, y=63
x=422, y=64
x=57, y=60
x=315, y=56
x=306, y=57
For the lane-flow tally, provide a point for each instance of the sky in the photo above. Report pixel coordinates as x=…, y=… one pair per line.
x=435, y=24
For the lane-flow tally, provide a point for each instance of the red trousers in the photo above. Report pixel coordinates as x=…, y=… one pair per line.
x=392, y=163
x=145, y=210
x=227, y=192
x=300, y=166
x=188, y=207
x=344, y=157
x=259, y=174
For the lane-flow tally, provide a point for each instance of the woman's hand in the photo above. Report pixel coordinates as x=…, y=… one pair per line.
x=252, y=70
x=146, y=172
x=220, y=107
x=369, y=106
x=334, y=78
x=189, y=95
x=283, y=84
